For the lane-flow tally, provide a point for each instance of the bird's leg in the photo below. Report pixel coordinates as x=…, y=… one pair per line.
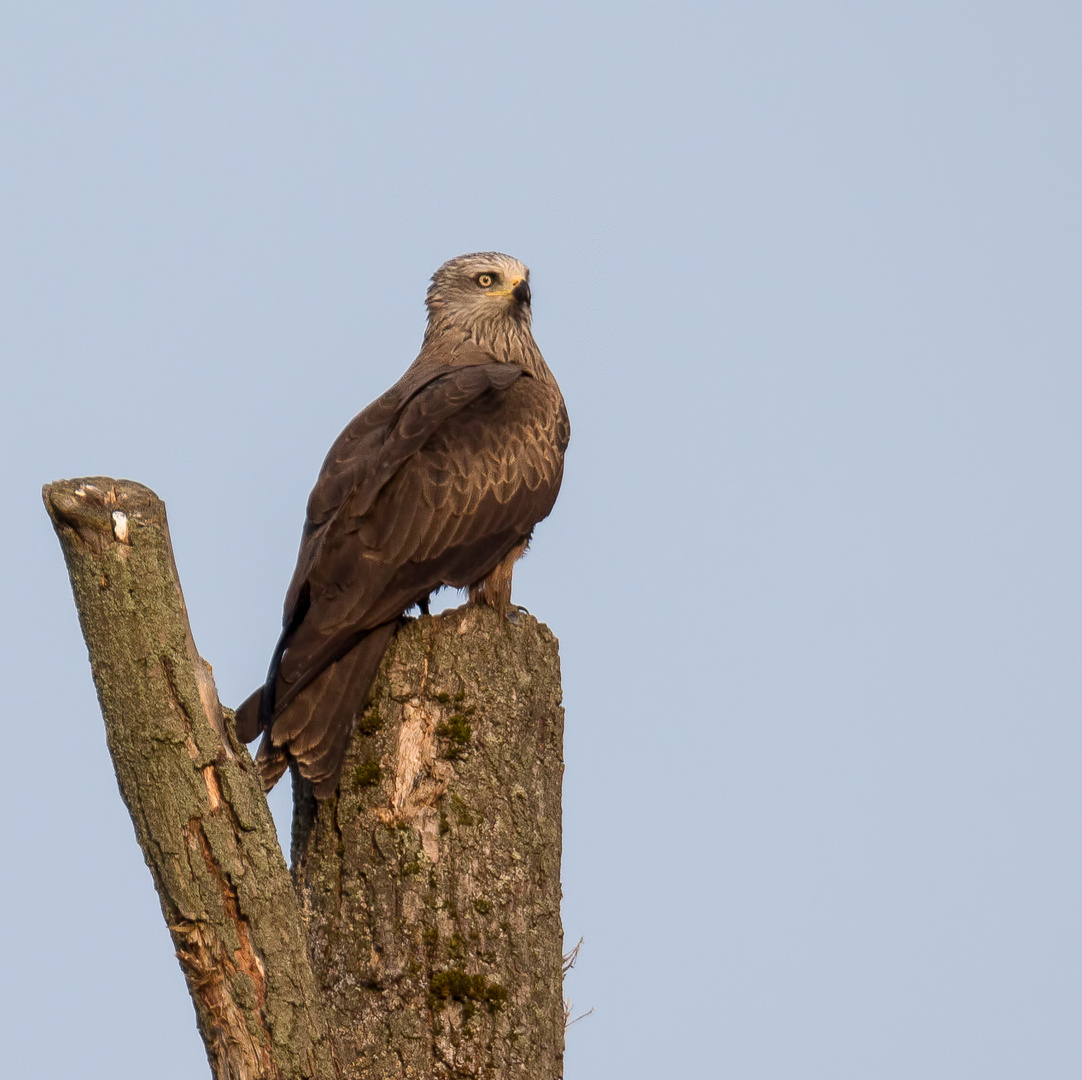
x=494, y=590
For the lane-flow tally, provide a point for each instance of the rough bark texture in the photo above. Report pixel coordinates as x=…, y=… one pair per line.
x=196, y=799
x=426, y=939
x=432, y=881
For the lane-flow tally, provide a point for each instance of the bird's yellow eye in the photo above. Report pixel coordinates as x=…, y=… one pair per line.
x=484, y=280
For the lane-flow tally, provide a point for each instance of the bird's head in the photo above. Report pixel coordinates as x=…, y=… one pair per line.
x=480, y=292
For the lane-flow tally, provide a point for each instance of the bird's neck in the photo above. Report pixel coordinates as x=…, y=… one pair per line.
x=505, y=340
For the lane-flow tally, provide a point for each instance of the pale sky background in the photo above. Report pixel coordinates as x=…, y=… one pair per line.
x=809, y=275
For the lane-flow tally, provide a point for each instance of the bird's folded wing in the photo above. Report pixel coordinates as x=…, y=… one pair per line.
x=471, y=482
x=376, y=443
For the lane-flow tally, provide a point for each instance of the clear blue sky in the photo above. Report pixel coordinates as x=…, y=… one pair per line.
x=809, y=274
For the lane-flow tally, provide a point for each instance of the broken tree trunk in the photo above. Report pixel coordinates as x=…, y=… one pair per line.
x=433, y=879
x=420, y=934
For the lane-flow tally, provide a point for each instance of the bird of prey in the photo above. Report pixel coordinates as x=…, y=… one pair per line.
x=439, y=482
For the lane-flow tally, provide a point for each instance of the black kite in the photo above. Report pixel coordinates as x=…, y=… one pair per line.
x=439, y=482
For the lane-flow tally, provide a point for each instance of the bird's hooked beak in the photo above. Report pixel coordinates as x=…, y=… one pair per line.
x=520, y=290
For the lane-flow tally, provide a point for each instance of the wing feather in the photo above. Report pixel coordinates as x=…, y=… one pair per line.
x=433, y=484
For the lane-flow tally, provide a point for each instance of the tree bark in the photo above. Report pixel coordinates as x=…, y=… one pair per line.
x=194, y=796
x=432, y=880
x=420, y=934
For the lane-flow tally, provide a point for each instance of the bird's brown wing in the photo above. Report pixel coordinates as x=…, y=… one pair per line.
x=475, y=491
x=473, y=463
x=437, y=494
x=375, y=442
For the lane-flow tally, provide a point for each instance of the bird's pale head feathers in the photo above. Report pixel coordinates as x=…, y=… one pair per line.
x=480, y=290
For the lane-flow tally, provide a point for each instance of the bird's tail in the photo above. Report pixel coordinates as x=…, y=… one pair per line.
x=314, y=728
